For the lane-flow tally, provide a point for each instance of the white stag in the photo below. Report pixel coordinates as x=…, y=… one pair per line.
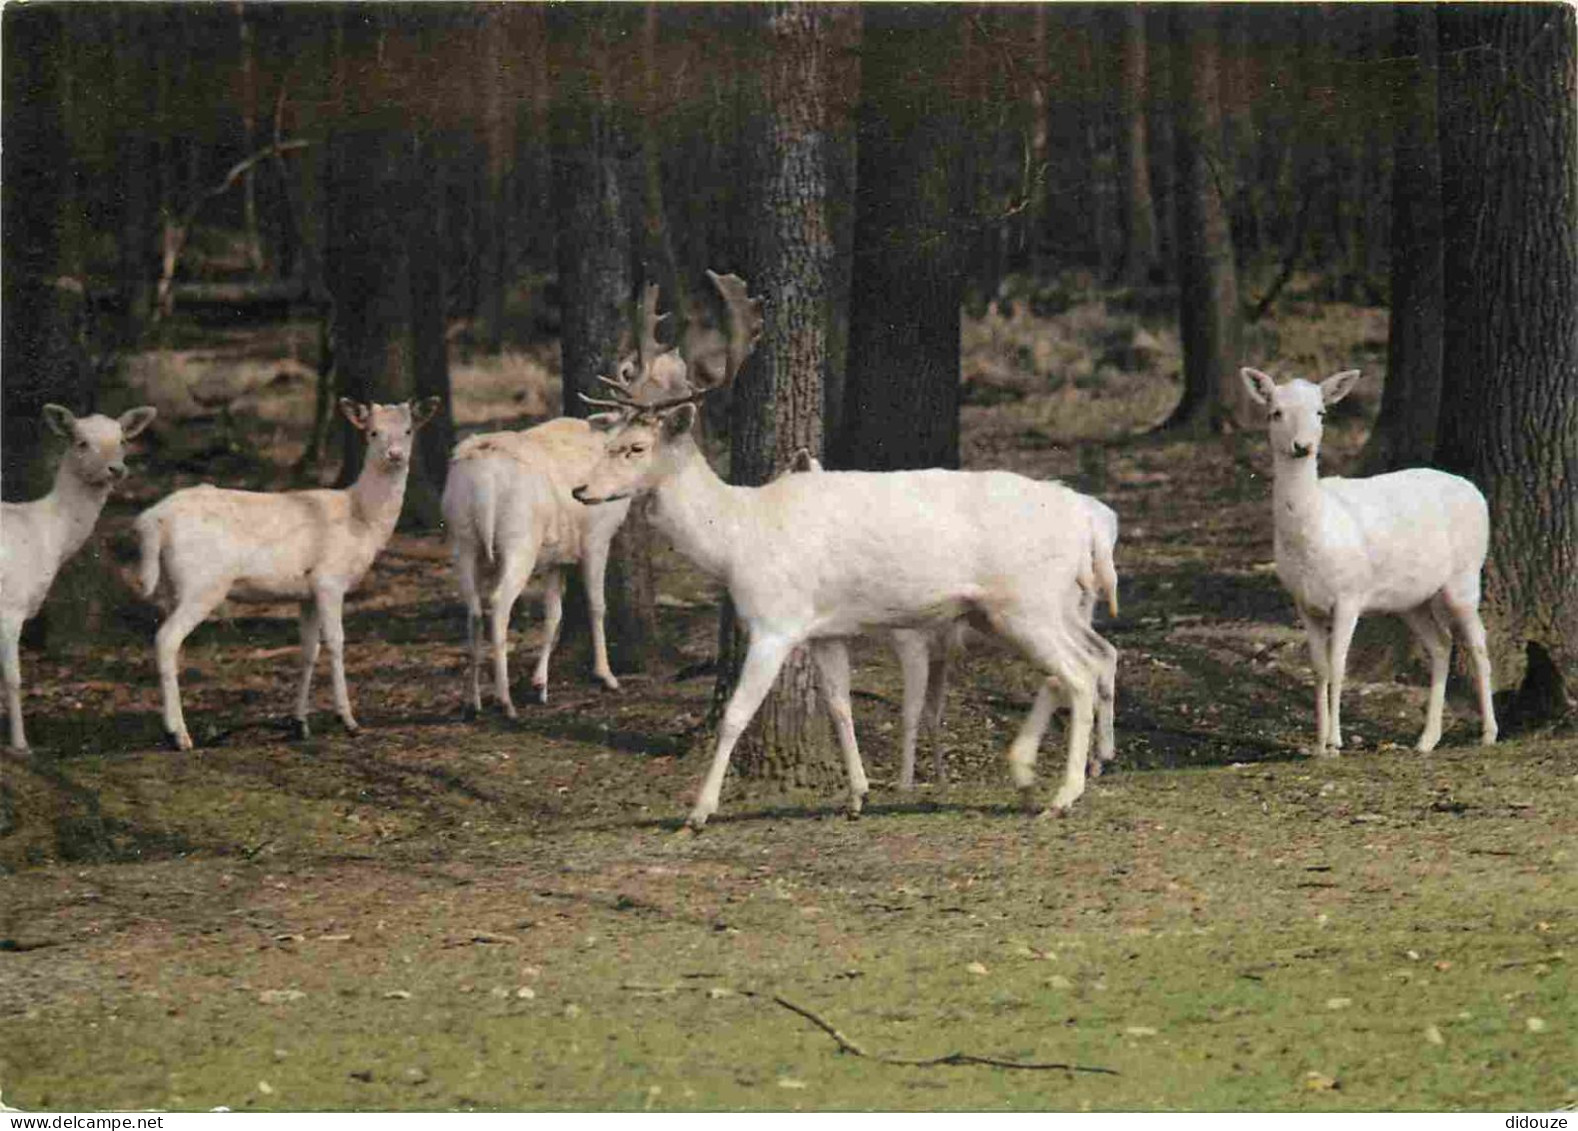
x=816, y=559
x=207, y=543
x=37, y=538
x=1411, y=542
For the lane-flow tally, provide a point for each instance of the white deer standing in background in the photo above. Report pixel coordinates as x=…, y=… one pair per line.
x=1410, y=542
x=816, y=559
x=37, y=538
x=508, y=509
x=207, y=543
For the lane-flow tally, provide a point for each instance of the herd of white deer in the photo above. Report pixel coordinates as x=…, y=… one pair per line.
x=809, y=559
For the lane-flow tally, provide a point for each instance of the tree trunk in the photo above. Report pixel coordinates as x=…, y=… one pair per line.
x=1509, y=420
x=594, y=202
x=1405, y=429
x=901, y=401
x=777, y=406
x=1139, y=213
x=1208, y=317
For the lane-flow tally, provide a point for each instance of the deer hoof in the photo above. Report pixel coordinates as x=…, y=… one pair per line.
x=299, y=730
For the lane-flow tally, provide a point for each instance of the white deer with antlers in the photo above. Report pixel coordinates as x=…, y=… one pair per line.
x=816, y=559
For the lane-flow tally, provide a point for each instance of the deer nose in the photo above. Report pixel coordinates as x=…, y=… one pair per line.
x=1302, y=450
x=117, y=470
x=579, y=493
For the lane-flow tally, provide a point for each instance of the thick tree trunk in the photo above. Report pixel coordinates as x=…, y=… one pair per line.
x=1405, y=429
x=595, y=202
x=901, y=399
x=777, y=407
x=1509, y=420
x=1210, y=323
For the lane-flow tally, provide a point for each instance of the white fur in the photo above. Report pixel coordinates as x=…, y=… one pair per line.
x=814, y=559
x=508, y=509
x=1411, y=542
x=924, y=654
x=208, y=543
x=37, y=538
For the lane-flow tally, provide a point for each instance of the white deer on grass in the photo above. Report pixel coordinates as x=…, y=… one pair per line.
x=924, y=654
x=816, y=559
x=1410, y=542
x=37, y=538
x=207, y=543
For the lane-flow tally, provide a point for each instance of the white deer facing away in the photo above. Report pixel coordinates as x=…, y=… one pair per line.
x=1410, y=542
x=207, y=543
x=924, y=654
x=508, y=509
x=816, y=559
x=37, y=538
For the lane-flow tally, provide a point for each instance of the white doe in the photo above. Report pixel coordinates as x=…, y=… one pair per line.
x=37, y=538
x=1410, y=542
x=508, y=509
x=816, y=559
x=924, y=654
x=208, y=543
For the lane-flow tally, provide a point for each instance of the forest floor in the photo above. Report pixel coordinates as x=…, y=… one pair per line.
x=440, y=914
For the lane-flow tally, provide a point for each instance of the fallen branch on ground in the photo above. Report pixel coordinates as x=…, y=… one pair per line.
x=846, y=1044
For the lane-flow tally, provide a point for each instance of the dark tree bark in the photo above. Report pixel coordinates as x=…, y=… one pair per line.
x=777, y=406
x=597, y=206
x=1209, y=320
x=1139, y=212
x=1405, y=429
x=901, y=401
x=1509, y=420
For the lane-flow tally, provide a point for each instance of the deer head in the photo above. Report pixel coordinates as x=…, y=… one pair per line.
x=1296, y=411
x=658, y=408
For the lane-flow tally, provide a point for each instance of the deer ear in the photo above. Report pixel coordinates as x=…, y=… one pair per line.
x=356, y=412
x=1260, y=387
x=135, y=420
x=1333, y=389
x=679, y=421
x=424, y=410
x=60, y=420
x=605, y=421
x=803, y=460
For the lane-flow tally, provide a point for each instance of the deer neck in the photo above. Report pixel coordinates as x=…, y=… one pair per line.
x=378, y=493
x=703, y=516
x=73, y=506
x=1297, y=501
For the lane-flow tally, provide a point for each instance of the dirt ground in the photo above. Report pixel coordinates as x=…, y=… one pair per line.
x=441, y=914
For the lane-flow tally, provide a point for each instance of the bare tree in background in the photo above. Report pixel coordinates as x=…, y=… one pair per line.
x=901, y=397
x=597, y=208
x=1404, y=434
x=1210, y=323
x=1509, y=420
x=777, y=404
x=1139, y=210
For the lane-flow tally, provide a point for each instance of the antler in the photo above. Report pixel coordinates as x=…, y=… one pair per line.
x=744, y=318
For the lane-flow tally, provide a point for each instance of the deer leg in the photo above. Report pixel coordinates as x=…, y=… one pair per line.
x=552, y=617
x=1438, y=646
x=832, y=664
x=331, y=607
x=514, y=572
x=594, y=572
x=311, y=634
x=763, y=661
x=910, y=646
x=1345, y=618
x=190, y=612
x=1319, y=639
x=11, y=663
x=470, y=595
x=1462, y=602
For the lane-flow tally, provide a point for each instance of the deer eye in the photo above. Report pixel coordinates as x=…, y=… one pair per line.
x=1276, y=414
x=372, y=434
